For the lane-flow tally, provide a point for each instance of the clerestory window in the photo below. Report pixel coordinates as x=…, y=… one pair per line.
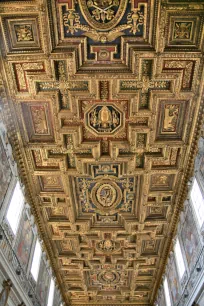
x=167, y=293
x=179, y=259
x=51, y=293
x=198, y=202
x=36, y=260
x=15, y=208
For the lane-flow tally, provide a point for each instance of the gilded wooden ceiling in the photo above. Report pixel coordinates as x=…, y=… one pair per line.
x=103, y=105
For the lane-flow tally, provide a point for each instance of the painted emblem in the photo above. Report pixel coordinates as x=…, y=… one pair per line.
x=109, y=277
x=107, y=246
x=106, y=195
x=105, y=20
x=104, y=119
x=103, y=15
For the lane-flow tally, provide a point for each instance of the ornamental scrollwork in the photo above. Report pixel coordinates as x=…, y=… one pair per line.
x=71, y=21
x=136, y=19
x=102, y=19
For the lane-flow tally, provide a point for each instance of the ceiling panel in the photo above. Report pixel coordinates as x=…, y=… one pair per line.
x=104, y=106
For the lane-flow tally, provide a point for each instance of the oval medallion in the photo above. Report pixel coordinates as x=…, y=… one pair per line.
x=109, y=277
x=103, y=15
x=106, y=195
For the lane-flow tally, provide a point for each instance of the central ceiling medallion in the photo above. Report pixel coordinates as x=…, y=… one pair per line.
x=109, y=277
x=103, y=15
x=104, y=119
x=107, y=246
x=106, y=195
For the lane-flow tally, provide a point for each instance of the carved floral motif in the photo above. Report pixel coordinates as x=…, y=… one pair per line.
x=136, y=19
x=71, y=21
x=24, y=32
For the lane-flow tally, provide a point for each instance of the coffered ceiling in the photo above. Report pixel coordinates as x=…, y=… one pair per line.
x=103, y=104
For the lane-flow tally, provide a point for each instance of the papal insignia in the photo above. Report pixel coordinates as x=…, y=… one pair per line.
x=105, y=20
x=107, y=246
x=104, y=119
x=103, y=15
x=109, y=277
x=106, y=195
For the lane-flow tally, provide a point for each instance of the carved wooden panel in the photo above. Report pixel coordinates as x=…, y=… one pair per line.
x=105, y=100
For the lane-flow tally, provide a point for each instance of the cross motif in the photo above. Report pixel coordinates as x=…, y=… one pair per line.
x=63, y=87
x=145, y=85
x=62, y=84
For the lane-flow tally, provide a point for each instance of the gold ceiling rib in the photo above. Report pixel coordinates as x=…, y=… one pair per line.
x=104, y=107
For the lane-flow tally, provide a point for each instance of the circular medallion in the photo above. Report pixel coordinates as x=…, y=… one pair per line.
x=103, y=15
x=109, y=277
x=103, y=54
x=107, y=246
x=106, y=195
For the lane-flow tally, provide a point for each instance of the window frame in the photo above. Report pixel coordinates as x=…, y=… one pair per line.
x=50, y=299
x=35, y=277
x=199, y=223
x=167, y=294
x=177, y=260
x=15, y=228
